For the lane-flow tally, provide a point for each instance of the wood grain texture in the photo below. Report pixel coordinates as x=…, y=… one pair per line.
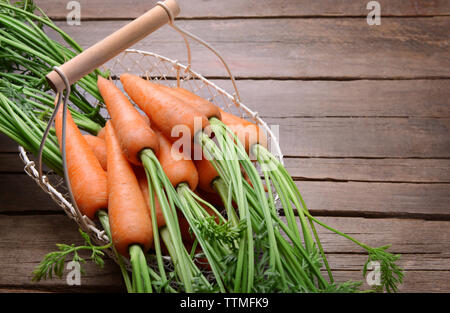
x=360, y=98
x=370, y=170
x=421, y=269
x=22, y=250
x=119, y=9
x=363, y=137
x=19, y=193
x=331, y=169
x=300, y=48
x=410, y=262
x=414, y=281
x=354, y=137
x=8, y=145
x=377, y=199
x=428, y=201
x=10, y=161
x=405, y=235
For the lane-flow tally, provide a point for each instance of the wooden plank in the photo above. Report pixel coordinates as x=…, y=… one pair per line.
x=250, y=8
x=10, y=162
x=19, y=193
x=331, y=169
x=21, y=290
x=363, y=137
x=323, y=198
x=373, y=170
x=369, y=98
x=410, y=262
x=414, y=281
x=299, y=48
x=7, y=144
x=405, y=235
x=25, y=240
x=418, y=276
x=377, y=199
x=356, y=137
x=360, y=98
x=38, y=234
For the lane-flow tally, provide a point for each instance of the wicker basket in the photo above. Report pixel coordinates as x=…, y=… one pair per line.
x=166, y=71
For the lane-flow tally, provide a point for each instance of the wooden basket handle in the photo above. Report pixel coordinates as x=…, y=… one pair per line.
x=109, y=47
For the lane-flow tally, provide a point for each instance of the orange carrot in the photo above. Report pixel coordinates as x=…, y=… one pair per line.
x=206, y=174
x=177, y=166
x=98, y=146
x=101, y=133
x=146, y=119
x=247, y=132
x=128, y=215
x=133, y=132
x=202, y=105
x=87, y=178
x=165, y=110
x=143, y=184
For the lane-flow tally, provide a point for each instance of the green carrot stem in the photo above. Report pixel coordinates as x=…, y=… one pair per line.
x=226, y=197
x=283, y=181
x=148, y=158
x=136, y=266
x=45, y=21
x=189, y=201
x=144, y=272
x=156, y=240
x=166, y=237
x=104, y=220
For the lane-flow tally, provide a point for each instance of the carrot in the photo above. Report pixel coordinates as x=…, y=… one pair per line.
x=101, y=133
x=177, y=166
x=247, y=132
x=143, y=184
x=202, y=105
x=206, y=174
x=146, y=119
x=129, y=216
x=98, y=146
x=132, y=130
x=165, y=110
x=87, y=178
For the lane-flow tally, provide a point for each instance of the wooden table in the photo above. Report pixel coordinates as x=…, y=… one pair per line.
x=363, y=113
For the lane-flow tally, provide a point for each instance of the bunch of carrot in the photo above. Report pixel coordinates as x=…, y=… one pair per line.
x=154, y=196
x=205, y=223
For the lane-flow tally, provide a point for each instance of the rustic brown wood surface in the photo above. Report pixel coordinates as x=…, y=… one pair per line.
x=301, y=48
x=195, y=9
x=363, y=114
